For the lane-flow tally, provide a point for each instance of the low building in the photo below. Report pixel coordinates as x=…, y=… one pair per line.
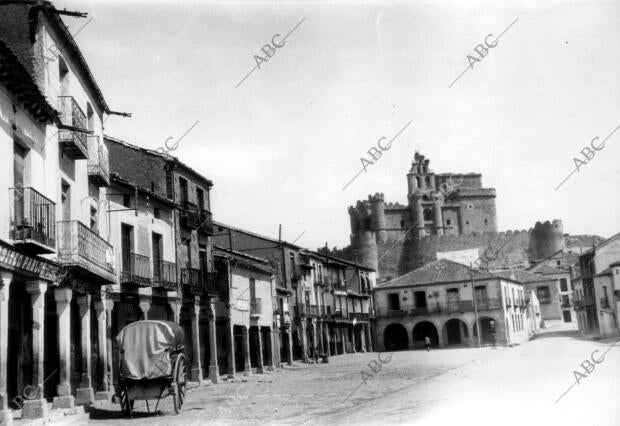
x=547, y=289
x=244, y=313
x=437, y=301
x=558, y=266
x=596, y=290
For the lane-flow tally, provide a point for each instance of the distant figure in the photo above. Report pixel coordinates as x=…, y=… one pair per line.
x=427, y=342
x=492, y=327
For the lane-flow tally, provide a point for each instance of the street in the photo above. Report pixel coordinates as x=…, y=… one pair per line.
x=465, y=385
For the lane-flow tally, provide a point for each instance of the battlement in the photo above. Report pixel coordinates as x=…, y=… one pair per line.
x=378, y=197
x=394, y=206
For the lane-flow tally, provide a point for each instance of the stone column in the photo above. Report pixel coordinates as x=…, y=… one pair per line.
x=369, y=344
x=63, y=309
x=36, y=406
x=289, y=348
x=343, y=341
x=214, y=373
x=363, y=338
x=109, y=368
x=271, y=359
x=6, y=415
x=84, y=394
x=231, y=350
x=314, y=339
x=145, y=306
x=304, y=341
x=259, y=355
x=326, y=344
x=246, y=352
x=103, y=393
x=353, y=339
x=196, y=371
x=319, y=337
x=175, y=305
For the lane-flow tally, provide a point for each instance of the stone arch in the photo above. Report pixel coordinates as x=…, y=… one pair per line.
x=455, y=332
x=485, y=327
x=395, y=337
x=422, y=329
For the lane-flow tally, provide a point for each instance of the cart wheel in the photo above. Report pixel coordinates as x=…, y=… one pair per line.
x=179, y=382
x=126, y=403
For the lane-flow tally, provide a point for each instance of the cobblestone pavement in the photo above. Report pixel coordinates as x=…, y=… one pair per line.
x=450, y=386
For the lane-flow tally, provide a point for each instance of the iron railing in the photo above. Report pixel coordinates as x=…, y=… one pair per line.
x=360, y=316
x=98, y=162
x=198, y=281
x=80, y=247
x=440, y=308
x=206, y=222
x=137, y=270
x=34, y=220
x=165, y=275
x=72, y=137
x=256, y=306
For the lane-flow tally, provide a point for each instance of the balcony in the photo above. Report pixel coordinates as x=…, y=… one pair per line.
x=307, y=311
x=604, y=303
x=72, y=133
x=85, y=251
x=34, y=221
x=165, y=276
x=490, y=304
x=544, y=299
x=189, y=215
x=137, y=270
x=359, y=316
x=206, y=222
x=577, y=304
x=256, y=307
x=198, y=282
x=98, y=169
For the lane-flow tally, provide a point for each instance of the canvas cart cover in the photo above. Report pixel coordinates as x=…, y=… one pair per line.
x=146, y=346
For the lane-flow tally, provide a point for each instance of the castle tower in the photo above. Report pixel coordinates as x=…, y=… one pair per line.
x=546, y=239
x=377, y=217
x=423, y=196
x=365, y=249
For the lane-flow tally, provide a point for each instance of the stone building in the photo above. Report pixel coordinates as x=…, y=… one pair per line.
x=437, y=301
x=55, y=256
x=245, y=313
x=322, y=304
x=596, y=289
x=168, y=178
x=445, y=212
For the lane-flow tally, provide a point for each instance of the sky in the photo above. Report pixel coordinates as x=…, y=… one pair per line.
x=281, y=146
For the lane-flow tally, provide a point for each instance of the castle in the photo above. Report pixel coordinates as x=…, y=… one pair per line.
x=445, y=212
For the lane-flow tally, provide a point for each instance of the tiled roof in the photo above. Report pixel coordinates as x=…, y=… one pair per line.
x=439, y=271
x=546, y=269
x=522, y=276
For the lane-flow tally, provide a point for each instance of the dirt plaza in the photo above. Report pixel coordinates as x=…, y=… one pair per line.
x=468, y=385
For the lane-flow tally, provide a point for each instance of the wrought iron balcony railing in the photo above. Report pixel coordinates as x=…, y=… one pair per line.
x=440, y=308
x=199, y=282
x=544, y=299
x=89, y=254
x=165, y=275
x=256, y=307
x=206, y=222
x=98, y=163
x=137, y=270
x=578, y=304
x=359, y=316
x=189, y=215
x=72, y=135
x=34, y=221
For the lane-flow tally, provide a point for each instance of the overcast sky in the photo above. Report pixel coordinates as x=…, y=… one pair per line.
x=281, y=146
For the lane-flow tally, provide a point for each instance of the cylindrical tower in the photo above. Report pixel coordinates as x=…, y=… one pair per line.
x=377, y=217
x=545, y=239
x=366, y=250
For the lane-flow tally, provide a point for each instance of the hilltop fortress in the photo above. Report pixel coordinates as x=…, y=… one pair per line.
x=445, y=212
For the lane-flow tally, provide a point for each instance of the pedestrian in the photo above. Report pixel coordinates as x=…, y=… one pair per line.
x=427, y=342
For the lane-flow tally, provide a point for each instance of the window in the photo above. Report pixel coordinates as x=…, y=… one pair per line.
x=200, y=194
x=402, y=224
x=470, y=206
x=448, y=222
x=604, y=299
x=127, y=200
x=393, y=301
x=291, y=265
x=184, y=192
x=543, y=294
x=558, y=262
x=486, y=221
x=563, y=284
x=428, y=214
x=481, y=295
x=65, y=200
x=156, y=213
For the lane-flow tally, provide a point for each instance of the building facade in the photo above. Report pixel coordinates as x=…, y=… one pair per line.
x=56, y=255
x=437, y=301
x=245, y=313
x=596, y=290
x=322, y=303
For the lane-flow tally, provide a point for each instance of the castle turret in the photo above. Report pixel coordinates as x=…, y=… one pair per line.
x=377, y=218
x=546, y=239
x=365, y=250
